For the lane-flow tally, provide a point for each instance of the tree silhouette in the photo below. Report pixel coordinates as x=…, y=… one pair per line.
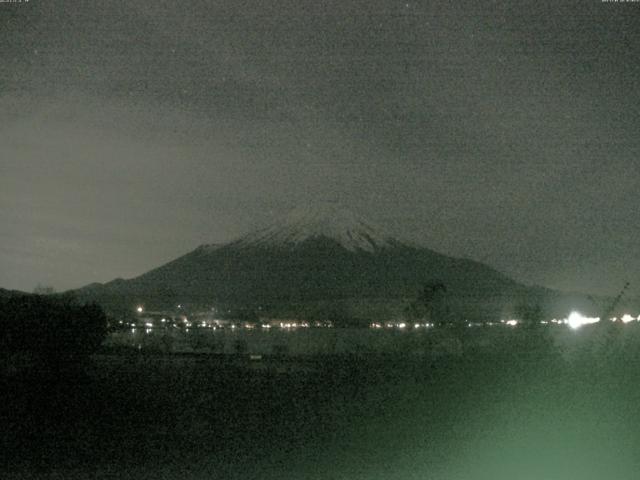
x=53, y=329
x=530, y=313
x=431, y=304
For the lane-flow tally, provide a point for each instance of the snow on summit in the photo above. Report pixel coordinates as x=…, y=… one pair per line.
x=324, y=220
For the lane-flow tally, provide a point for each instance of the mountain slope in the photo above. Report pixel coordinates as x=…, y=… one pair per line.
x=316, y=257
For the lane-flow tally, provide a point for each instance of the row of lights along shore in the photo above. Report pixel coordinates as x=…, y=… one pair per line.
x=575, y=320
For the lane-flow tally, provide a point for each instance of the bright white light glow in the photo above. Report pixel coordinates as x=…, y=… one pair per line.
x=626, y=318
x=139, y=309
x=512, y=323
x=576, y=320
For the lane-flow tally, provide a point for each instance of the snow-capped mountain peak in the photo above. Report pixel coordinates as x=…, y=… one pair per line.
x=325, y=220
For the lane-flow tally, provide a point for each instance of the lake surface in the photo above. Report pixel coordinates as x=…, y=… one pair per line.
x=474, y=416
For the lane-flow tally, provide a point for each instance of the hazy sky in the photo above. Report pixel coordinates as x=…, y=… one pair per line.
x=507, y=132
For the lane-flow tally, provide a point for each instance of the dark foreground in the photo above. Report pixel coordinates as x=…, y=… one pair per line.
x=510, y=416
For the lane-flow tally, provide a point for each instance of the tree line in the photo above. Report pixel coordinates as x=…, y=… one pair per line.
x=50, y=328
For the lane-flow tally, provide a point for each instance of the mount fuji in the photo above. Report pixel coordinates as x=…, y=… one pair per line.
x=317, y=262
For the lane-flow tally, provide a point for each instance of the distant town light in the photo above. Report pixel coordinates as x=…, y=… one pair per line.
x=139, y=309
x=512, y=323
x=626, y=318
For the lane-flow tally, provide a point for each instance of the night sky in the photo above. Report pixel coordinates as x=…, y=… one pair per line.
x=506, y=132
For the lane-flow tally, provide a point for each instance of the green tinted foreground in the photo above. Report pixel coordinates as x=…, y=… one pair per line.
x=539, y=416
